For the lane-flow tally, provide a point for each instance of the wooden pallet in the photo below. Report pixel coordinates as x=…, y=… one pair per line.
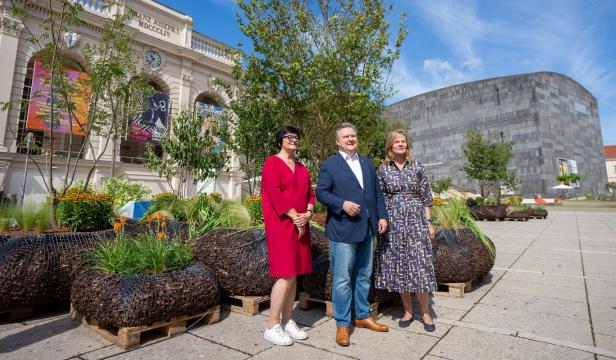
x=129, y=337
x=497, y=219
x=306, y=302
x=455, y=289
x=245, y=305
x=17, y=314
x=518, y=219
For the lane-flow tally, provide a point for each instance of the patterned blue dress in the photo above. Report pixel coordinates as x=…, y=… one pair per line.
x=404, y=254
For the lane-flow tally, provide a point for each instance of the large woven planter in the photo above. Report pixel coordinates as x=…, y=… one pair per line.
x=239, y=259
x=519, y=215
x=460, y=256
x=38, y=270
x=489, y=212
x=139, y=300
x=538, y=213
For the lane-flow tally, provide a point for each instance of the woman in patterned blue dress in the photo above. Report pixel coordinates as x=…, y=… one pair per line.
x=404, y=258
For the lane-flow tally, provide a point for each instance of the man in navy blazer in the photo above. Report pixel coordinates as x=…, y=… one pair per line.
x=348, y=186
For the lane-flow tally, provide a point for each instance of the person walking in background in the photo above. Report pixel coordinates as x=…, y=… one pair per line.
x=347, y=185
x=404, y=254
x=287, y=199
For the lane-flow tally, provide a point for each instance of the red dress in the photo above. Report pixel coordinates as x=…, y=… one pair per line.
x=283, y=189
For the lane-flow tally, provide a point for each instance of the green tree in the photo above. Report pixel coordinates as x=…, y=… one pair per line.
x=318, y=63
x=119, y=88
x=192, y=149
x=512, y=181
x=255, y=122
x=486, y=161
x=441, y=185
x=112, y=95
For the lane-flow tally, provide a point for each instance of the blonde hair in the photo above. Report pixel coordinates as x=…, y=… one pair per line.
x=391, y=138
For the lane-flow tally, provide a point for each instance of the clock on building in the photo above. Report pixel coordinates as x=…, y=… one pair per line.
x=152, y=59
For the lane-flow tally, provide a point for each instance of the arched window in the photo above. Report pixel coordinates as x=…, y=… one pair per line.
x=147, y=129
x=33, y=118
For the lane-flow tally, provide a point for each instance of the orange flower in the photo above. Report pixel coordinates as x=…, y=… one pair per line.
x=158, y=215
x=117, y=227
x=163, y=224
x=161, y=235
x=122, y=219
x=149, y=219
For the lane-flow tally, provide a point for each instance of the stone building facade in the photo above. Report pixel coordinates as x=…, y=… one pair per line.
x=553, y=120
x=180, y=63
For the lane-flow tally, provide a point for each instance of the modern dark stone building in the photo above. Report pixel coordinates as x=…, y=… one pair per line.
x=553, y=120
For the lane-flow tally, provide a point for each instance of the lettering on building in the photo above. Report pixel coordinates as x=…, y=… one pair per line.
x=155, y=25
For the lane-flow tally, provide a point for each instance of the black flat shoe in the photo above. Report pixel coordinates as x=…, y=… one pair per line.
x=429, y=327
x=405, y=323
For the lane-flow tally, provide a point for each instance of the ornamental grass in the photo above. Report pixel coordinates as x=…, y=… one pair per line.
x=454, y=214
x=150, y=253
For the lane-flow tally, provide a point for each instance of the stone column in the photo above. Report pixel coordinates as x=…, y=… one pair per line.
x=10, y=29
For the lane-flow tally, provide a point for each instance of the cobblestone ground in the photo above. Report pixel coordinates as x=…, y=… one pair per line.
x=551, y=295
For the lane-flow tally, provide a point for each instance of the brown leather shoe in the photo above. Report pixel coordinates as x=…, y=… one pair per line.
x=370, y=323
x=342, y=335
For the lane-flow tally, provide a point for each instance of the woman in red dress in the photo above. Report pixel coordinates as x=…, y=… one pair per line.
x=287, y=199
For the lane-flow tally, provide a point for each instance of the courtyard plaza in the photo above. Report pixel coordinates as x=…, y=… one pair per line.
x=550, y=295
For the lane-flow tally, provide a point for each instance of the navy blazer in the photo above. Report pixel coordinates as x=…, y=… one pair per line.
x=336, y=184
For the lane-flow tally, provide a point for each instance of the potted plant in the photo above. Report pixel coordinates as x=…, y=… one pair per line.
x=38, y=267
x=140, y=280
x=462, y=252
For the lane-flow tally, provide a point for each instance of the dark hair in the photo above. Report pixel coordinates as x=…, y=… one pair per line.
x=287, y=129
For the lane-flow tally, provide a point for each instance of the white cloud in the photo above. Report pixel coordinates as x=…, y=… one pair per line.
x=404, y=81
x=436, y=74
x=443, y=73
x=457, y=23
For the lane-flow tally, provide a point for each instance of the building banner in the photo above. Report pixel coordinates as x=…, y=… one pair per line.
x=152, y=124
x=40, y=103
x=208, y=114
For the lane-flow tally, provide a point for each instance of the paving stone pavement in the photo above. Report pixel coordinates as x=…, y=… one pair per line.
x=551, y=295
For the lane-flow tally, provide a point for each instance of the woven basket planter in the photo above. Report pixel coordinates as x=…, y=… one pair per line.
x=489, y=212
x=38, y=270
x=140, y=300
x=460, y=256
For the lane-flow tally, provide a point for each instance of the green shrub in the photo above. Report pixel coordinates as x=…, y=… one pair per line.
x=319, y=207
x=169, y=203
x=255, y=209
x=515, y=208
x=124, y=190
x=81, y=211
x=140, y=255
x=43, y=218
x=455, y=215
x=514, y=200
x=441, y=185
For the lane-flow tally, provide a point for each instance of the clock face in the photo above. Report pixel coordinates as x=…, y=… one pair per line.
x=152, y=58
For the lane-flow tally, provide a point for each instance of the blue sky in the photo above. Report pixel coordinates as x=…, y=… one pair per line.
x=456, y=41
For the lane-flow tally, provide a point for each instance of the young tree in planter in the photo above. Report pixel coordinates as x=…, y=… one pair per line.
x=486, y=161
x=324, y=62
x=441, y=185
x=193, y=149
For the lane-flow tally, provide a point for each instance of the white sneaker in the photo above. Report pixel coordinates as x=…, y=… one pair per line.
x=294, y=331
x=277, y=336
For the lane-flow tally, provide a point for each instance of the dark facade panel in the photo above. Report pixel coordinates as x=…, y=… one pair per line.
x=548, y=115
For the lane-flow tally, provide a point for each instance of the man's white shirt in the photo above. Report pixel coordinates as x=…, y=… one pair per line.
x=353, y=161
